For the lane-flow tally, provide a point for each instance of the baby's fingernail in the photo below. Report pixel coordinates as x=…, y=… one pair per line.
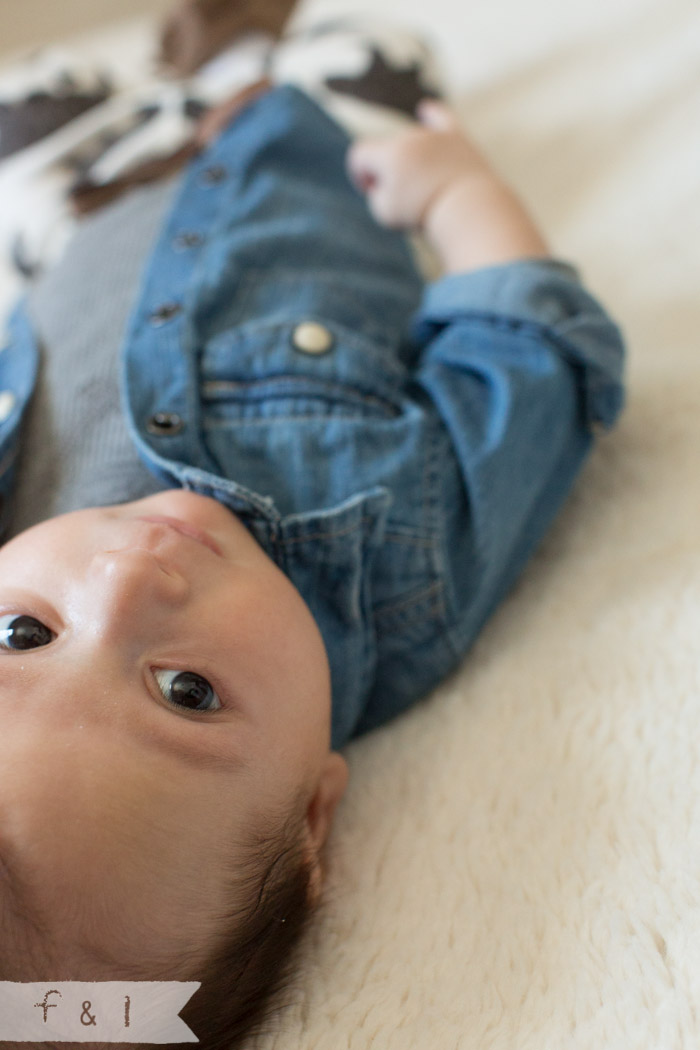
x=364, y=180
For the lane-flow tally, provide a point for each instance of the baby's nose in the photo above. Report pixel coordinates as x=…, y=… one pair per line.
x=134, y=585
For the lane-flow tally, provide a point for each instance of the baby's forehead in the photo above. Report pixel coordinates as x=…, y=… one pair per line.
x=45, y=933
x=88, y=855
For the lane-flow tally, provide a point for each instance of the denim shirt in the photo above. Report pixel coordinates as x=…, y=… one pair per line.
x=399, y=459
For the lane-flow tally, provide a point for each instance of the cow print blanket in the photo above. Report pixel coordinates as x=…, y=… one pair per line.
x=71, y=123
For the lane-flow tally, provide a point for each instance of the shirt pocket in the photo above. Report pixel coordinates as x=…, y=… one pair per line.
x=307, y=442
x=308, y=429
x=257, y=366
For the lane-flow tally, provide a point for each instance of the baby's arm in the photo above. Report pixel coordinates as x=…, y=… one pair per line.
x=433, y=178
x=517, y=364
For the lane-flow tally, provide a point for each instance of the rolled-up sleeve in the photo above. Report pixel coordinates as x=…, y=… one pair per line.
x=522, y=365
x=546, y=293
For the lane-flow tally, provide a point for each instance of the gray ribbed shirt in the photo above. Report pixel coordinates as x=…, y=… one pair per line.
x=76, y=451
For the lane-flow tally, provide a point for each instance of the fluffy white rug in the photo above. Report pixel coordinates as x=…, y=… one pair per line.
x=516, y=863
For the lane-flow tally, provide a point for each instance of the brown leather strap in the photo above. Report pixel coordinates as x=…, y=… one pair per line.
x=217, y=117
x=87, y=197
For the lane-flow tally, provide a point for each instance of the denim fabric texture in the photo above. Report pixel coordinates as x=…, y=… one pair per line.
x=402, y=477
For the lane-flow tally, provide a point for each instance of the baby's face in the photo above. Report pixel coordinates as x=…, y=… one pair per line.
x=155, y=694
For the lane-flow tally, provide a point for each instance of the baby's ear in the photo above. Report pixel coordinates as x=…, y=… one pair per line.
x=329, y=790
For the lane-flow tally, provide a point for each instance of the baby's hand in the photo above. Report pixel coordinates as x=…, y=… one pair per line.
x=403, y=175
x=434, y=179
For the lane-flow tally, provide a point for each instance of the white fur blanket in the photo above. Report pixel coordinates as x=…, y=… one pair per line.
x=516, y=863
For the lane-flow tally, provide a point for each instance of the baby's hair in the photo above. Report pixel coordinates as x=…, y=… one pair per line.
x=247, y=977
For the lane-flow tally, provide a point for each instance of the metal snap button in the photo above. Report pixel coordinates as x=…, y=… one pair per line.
x=165, y=423
x=164, y=313
x=188, y=239
x=210, y=176
x=7, y=403
x=312, y=338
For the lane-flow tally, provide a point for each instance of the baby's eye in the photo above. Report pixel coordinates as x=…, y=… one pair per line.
x=187, y=689
x=23, y=632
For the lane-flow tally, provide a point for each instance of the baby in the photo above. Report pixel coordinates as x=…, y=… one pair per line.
x=350, y=468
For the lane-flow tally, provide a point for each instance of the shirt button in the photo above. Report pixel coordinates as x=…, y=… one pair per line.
x=216, y=173
x=189, y=239
x=7, y=403
x=312, y=338
x=164, y=313
x=165, y=423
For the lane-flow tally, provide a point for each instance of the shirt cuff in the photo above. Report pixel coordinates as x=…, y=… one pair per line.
x=545, y=292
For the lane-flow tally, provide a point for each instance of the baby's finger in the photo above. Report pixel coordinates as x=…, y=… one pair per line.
x=369, y=167
x=361, y=165
x=435, y=114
